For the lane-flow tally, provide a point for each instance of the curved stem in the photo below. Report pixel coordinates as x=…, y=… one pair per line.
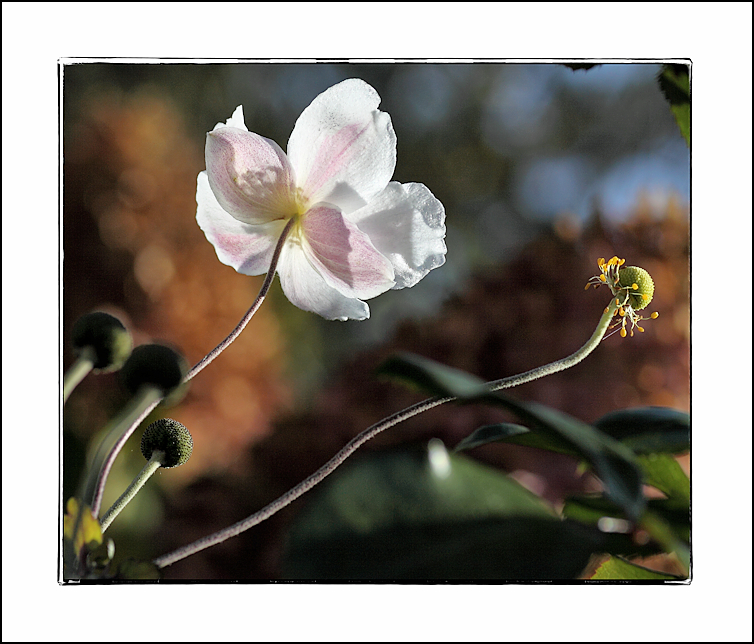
x=153, y=464
x=252, y=310
x=78, y=371
x=118, y=432
x=104, y=472
x=371, y=432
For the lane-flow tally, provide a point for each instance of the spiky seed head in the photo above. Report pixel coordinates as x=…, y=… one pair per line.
x=171, y=437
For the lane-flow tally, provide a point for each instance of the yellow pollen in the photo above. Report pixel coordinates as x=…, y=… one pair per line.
x=655, y=315
x=622, y=311
x=640, y=329
x=635, y=286
x=603, y=278
x=622, y=333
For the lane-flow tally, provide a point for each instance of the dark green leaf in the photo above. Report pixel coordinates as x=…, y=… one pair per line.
x=516, y=435
x=432, y=377
x=494, y=434
x=595, y=509
x=133, y=569
x=675, y=85
x=649, y=429
x=483, y=549
x=617, y=569
x=428, y=514
x=614, y=463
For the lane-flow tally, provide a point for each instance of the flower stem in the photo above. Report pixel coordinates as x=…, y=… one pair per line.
x=369, y=433
x=78, y=371
x=252, y=310
x=153, y=464
x=117, y=433
x=98, y=490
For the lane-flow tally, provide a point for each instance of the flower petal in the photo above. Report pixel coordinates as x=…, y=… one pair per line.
x=343, y=255
x=249, y=175
x=236, y=120
x=406, y=223
x=245, y=247
x=306, y=288
x=342, y=147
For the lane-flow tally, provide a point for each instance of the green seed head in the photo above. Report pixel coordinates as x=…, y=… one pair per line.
x=641, y=296
x=171, y=437
x=106, y=335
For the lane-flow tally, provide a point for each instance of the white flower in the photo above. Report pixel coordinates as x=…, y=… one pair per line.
x=356, y=234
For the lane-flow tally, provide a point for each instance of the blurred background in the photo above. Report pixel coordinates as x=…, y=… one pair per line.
x=541, y=169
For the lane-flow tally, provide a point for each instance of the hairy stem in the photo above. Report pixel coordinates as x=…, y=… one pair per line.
x=129, y=430
x=371, y=432
x=78, y=371
x=153, y=464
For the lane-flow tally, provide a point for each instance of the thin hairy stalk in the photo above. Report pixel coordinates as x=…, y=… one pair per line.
x=250, y=313
x=120, y=430
x=369, y=433
x=153, y=464
x=78, y=371
x=105, y=471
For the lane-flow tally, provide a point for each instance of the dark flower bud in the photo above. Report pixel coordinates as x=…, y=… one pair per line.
x=155, y=365
x=106, y=336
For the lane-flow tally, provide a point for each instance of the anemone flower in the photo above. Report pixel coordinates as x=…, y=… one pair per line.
x=354, y=235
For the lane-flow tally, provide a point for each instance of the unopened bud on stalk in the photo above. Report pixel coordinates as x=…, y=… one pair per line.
x=106, y=337
x=157, y=366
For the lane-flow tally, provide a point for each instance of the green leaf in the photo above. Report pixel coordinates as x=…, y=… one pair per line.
x=501, y=432
x=428, y=514
x=133, y=569
x=614, y=463
x=516, y=435
x=431, y=377
x=594, y=510
x=483, y=549
x=649, y=429
x=663, y=472
x=675, y=85
x=616, y=569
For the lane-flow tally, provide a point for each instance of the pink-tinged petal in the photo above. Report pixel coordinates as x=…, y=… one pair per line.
x=344, y=256
x=236, y=120
x=342, y=147
x=406, y=223
x=307, y=289
x=247, y=248
x=250, y=176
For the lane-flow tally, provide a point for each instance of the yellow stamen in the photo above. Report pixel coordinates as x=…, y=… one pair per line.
x=655, y=315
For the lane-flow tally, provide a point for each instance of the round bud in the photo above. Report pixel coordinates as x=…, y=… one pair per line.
x=169, y=436
x=155, y=365
x=642, y=295
x=106, y=335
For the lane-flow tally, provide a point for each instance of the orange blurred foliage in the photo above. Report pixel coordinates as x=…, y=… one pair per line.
x=132, y=246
